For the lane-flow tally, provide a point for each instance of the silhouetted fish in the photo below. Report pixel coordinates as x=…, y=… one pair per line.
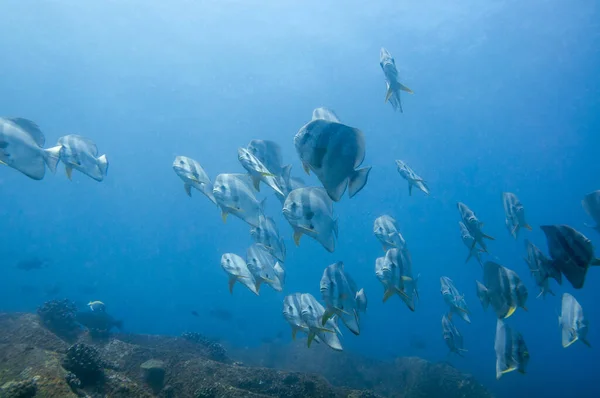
x=195, y=313
x=221, y=314
x=99, y=320
x=32, y=263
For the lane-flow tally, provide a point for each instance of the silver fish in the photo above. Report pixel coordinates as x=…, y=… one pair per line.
x=452, y=336
x=341, y=296
x=234, y=195
x=395, y=273
x=502, y=288
x=571, y=251
x=388, y=66
x=591, y=205
x=310, y=211
x=325, y=114
x=268, y=153
x=264, y=267
x=333, y=151
x=258, y=171
x=469, y=241
x=386, y=230
x=572, y=322
x=454, y=299
x=511, y=351
x=515, y=214
x=413, y=179
x=291, y=313
x=473, y=225
x=81, y=154
x=193, y=175
x=21, y=148
x=238, y=271
x=311, y=312
x=541, y=268
x=267, y=233
x=287, y=183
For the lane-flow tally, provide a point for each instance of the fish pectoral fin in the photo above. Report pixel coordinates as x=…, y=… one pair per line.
x=231, y=283
x=224, y=215
x=404, y=88
x=306, y=168
x=68, y=171
x=297, y=236
x=256, y=183
x=488, y=237
x=389, y=93
x=188, y=189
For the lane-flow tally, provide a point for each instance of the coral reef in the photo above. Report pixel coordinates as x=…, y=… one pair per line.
x=29, y=352
x=84, y=362
x=59, y=317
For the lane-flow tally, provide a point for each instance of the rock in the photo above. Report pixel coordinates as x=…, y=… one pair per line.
x=19, y=389
x=154, y=373
x=84, y=361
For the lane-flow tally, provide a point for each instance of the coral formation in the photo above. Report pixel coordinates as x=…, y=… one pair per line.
x=59, y=317
x=84, y=361
x=216, y=351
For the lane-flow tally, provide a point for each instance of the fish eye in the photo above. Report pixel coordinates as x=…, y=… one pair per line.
x=181, y=162
x=311, y=226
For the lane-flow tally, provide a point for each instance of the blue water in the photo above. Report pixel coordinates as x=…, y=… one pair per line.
x=507, y=98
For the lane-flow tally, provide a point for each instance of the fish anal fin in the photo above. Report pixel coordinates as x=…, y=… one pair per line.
x=188, y=189
x=297, y=236
x=68, y=171
x=404, y=88
x=231, y=284
x=256, y=183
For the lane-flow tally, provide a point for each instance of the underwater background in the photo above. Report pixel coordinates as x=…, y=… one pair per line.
x=507, y=98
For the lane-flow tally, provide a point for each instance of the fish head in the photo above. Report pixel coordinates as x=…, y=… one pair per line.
x=247, y=159
x=231, y=263
x=292, y=207
x=291, y=309
x=182, y=166
x=226, y=193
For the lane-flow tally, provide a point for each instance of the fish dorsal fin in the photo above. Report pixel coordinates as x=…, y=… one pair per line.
x=30, y=128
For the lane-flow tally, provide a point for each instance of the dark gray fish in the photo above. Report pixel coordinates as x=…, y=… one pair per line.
x=386, y=230
x=511, y=351
x=473, y=225
x=571, y=251
x=469, y=241
x=515, y=214
x=287, y=183
x=99, y=320
x=502, y=288
x=452, y=336
x=267, y=233
x=394, y=271
x=269, y=154
x=235, y=195
x=237, y=270
x=341, y=296
x=591, y=204
x=412, y=178
x=21, y=148
x=32, y=263
x=311, y=312
x=193, y=176
x=394, y=87
x=258, y=171
x=541, y=268
x=333, y=151
x=264, y=267
x=572, y=322
x=81, y=154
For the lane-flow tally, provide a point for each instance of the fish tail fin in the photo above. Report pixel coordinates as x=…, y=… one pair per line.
x=52, y=156
x=358, y=180
x=103, y=164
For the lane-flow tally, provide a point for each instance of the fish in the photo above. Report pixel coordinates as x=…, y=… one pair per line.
x=573, y=324
x=235, y=196
x=473, y=226
x=469, y=241
x=541, y=268
x=502, y=289
x=515, y=214
x=341, y=297
x=454, y=299
x=310, y=212
x=287, y=183
x=361, y=301
x=21, y=148
x=221, y=314
x=291, y=313
x=571, y=251
x=511, y=350
x=452, y=336
x=237, y=269
x=386, y=230
x=81, y=153
x=97, y=306
x=258, y=171
x=394, y=271
x=193, y=176
x=333, y=151
x=394, y=87
x=32, y=263
x=413, y=179
x=98, y=320
x=268, y=153
x=267, y=233
x=311, y=312
x=325, y=114
x=591, y=205
x=264, y=267
x=195, y=313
